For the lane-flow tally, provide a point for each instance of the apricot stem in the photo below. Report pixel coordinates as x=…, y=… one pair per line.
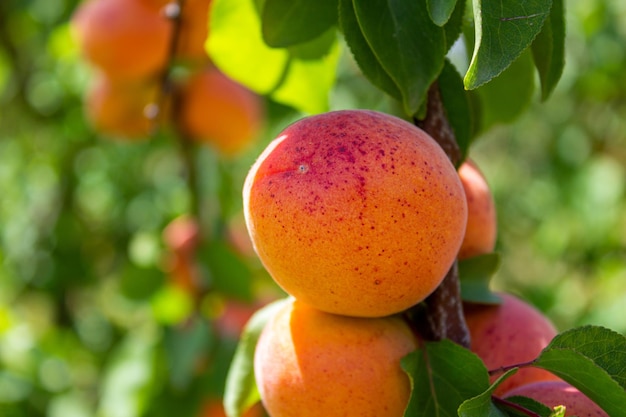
x=513, y=406
x=436, y=125
x=441, y=315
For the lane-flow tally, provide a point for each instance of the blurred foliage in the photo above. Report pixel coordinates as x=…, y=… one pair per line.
x=90, y=324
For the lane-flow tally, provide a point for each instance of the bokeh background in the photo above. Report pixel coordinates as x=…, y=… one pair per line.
x=92, y=325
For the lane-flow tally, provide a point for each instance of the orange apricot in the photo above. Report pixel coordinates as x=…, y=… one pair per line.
x=218, y=111
x=481, y=230
x=311, y=363
x=194, y=30
x=555, y=393
x=355, y=212
x=126, y=39
x=511, y=333
x=120, y=108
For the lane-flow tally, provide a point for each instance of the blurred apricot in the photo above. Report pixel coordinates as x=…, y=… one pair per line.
x=194, y=30
x=126, y=39
x=182, y=234
x=481, y=231
x=554, y=393
x=311, y=363
x=355, y=212
x=511, y=333
x=121, y=108
x=218, y=111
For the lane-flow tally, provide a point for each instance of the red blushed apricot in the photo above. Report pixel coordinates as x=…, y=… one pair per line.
x=120, y=108
x=218, y=111
x=182, y=235
x=311, y=363
x=355, y=212
x=511, y=333
x=481, y=231
x=554, y=393
x=126, y=39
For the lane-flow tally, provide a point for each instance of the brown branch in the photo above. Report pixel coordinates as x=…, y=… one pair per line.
x=441, y=315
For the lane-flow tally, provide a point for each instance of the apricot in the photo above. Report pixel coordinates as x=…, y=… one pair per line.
x=126, y=39
x=220, y=112
x=554, y=393
x=481, y=230
x=311, y=363
x=511, y=333
x=120, y=108
x=355, y=212
x=194, y=30
x=182, y=235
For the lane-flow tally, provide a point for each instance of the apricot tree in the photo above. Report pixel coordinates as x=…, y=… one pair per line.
x=453, y=69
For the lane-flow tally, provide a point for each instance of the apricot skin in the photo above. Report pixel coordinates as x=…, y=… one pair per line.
x=355, y=212
x=218, y=111
x=481, y=231
x=126, y=39
x=553, y=393
x=311, y=363
x=511, y=333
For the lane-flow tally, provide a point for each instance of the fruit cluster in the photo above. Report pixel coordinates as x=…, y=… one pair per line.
x=134, y=45
x=359, y=215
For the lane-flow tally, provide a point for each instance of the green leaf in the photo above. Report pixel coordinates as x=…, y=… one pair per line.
x=456, y=103
x=406, y=42
x=482, y=405
x=504, y=29
x=454, y=25
x=363, y=54
x=443, y=375
x=310, y=78
x=475, y=275
x=236, y=41
x=508, y=95
x=529, y=404
x=440, y=10
x=241, y=390
x=185, y=347
x=549, y=49
x=592, y=359
x=228, y=273
x=289, y=22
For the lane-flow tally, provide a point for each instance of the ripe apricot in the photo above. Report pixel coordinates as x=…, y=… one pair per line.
x=511, y=333
x=355, y=212
x=218, y=111
x=120, y=108
x=481, y=230
x=126, y=39
x=182, y=235
x=311, y=363
x=554, y=393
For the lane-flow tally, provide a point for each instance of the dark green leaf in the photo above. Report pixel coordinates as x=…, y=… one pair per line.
x=475, y=274
x=363, y=54
x=241, y=390
x=454, y=25
x=290, y=22
x=529, y=404
x=456, y=103
x=549, y=49
x=316, y=48
x=406, y=42
x=482, y=405
x=504, y=29
x=228, y=273
x=443, y=375
x=592, y=359
x=508, y=95
x=139, y=283
x=186, y=346
x=440, y=10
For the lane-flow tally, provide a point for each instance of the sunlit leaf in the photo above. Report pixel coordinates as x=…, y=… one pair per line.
x=504, y=29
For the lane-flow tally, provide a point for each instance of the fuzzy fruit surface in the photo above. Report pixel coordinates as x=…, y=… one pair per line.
x=554, y=393
x=511, y=333
x=311, y=363
x=481, y=230
x=355, y=212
